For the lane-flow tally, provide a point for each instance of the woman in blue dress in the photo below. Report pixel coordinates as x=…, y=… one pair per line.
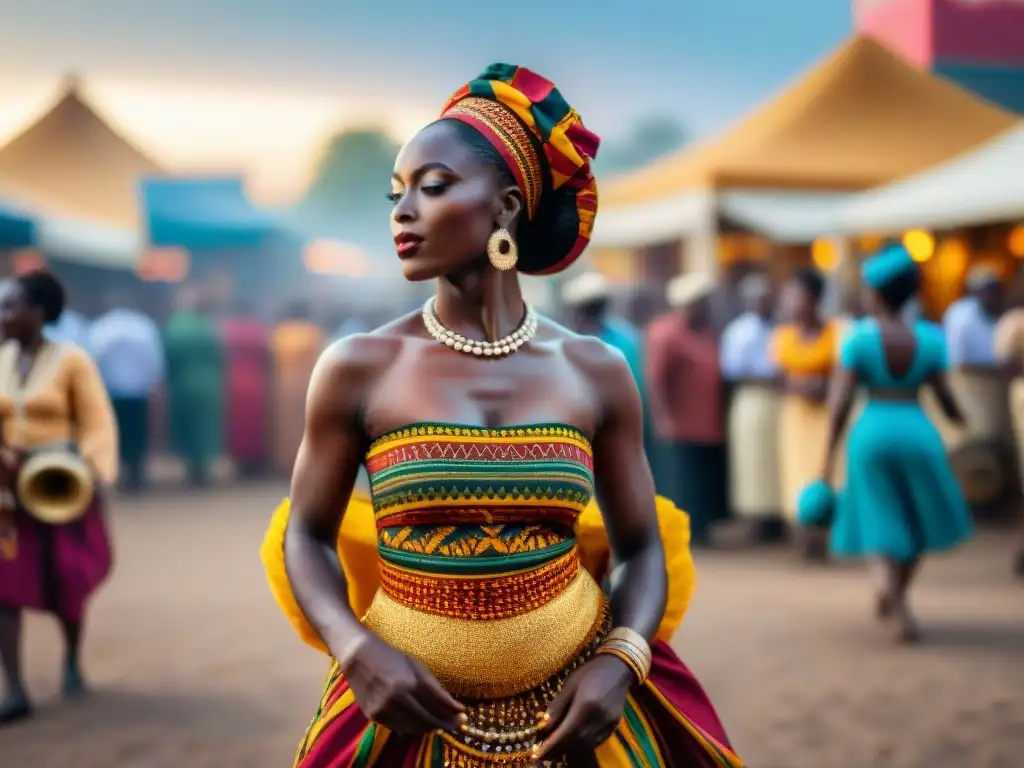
x=901, y=499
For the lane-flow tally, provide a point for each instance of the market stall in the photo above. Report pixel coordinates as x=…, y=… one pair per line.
x=79, y=176
x=71, y=162
x=228, y=240
x=861, y=118
x=981, y=186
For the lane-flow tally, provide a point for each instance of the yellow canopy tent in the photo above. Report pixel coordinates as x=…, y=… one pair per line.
x=73, y=163
x=861, y=118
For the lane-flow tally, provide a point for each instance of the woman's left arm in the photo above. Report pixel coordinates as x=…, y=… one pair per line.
x=593, y=700
x=95, y=427
x=625, y=491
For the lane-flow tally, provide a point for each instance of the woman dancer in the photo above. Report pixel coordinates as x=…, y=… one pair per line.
x=805, y=350
x=484, y=429
x=50, y=394
x=901, y=499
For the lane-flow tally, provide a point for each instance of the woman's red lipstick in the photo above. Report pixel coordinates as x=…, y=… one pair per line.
x=406, y=243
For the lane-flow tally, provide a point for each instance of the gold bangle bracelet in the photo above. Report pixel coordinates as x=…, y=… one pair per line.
x=643, y=664
x=633, y=643
x=636, y=661
x=625, y=658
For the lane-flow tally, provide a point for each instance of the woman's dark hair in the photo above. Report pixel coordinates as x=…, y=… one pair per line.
x=898, y=291
x=44, y=291
x=812, y=282
x=545, y=239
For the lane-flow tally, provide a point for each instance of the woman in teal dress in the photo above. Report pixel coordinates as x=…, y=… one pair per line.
x=901, y=498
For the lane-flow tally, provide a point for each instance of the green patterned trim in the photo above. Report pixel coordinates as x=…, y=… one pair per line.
x=472, y=491
x=475, y=566
x=453, y=429
x=485, y=467
x=365, y=749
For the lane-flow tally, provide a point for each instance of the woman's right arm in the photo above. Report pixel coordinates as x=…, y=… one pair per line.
x=322, y=480
x=391, y=688
x=946, y=399
x=939, y=382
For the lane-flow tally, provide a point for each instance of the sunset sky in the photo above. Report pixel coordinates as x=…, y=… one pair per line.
x=257, y=85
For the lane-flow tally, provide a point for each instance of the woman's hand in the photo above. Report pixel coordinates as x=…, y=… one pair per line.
x=588, y=709
x=398, y=692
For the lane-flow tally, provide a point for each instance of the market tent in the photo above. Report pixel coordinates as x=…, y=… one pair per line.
x=17, y=228
x=861, y=118
x=659, y=222
x=73, y=163
x=983, y=186
x=785, y=216
x=203, y=214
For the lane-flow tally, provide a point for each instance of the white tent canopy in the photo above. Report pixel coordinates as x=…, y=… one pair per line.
x=982, y=186
x=782, y=216
x=786, y=216
x=645, y=225
x=88, y=243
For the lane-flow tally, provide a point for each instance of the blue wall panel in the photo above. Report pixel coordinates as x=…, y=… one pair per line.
x=1001, y=85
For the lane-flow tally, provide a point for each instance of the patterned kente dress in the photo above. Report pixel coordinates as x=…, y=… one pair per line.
x=480, y=580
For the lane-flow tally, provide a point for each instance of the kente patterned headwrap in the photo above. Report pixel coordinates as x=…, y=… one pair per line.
x=503, y=104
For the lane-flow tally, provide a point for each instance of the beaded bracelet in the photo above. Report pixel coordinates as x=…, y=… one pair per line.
x=631, y=648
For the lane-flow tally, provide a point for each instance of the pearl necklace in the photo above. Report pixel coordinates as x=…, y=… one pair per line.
x=500, y=348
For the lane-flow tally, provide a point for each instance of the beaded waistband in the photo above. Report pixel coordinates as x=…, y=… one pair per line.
x=479, y=597
x=490, y=659
x=501, y=733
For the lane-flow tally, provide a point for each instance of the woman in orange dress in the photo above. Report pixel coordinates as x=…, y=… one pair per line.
x=805, y=349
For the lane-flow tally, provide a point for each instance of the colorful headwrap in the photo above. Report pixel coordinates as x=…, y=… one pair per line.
x=890, y=263
x=503, y=104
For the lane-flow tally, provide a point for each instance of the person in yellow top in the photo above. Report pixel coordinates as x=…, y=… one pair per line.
x=805, y=350
x=51, y=394
x=296, y=343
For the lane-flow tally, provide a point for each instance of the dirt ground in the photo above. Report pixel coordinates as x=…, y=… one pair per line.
x=193, y=666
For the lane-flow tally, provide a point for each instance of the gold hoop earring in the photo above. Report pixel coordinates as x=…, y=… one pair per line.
x=501, y=250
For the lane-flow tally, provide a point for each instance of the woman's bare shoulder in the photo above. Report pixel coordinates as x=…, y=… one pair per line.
x=599, y=362
x=364, y=357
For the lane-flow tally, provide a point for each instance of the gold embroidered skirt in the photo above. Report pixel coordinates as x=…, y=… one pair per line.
x=483, y=659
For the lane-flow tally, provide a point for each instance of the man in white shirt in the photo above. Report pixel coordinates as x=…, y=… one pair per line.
x=129, y=353
x=970, y=322
x=71, y=326
x=977, y=378
x=746, y=341
x=748, y=365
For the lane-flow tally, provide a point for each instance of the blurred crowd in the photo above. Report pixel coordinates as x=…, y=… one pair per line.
x=735, y=384
x=214, y=385
x=733, y=376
